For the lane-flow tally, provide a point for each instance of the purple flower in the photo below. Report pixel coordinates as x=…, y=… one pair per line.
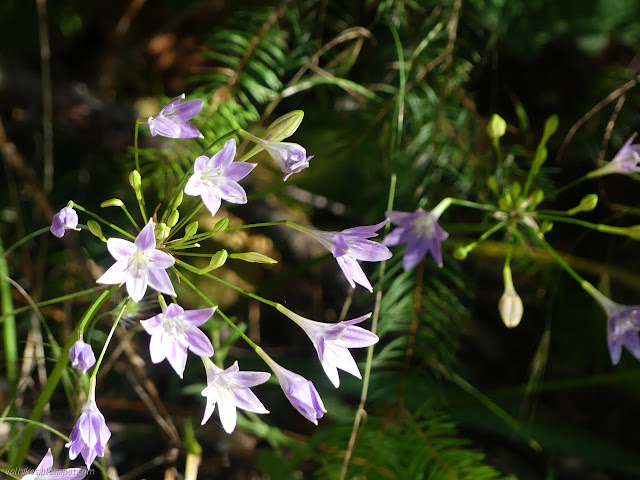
x=299, y=391
x=291, y=157
x=81, y=356
x=623, y=326
x=216, y=178
x=90, y=434
x=351, y=245
x=173, y=120
x=230, y=390
x=43, y=471
x=625, y=161
x=175, y=331
x=421, y=232
x=65, y=219
x=139, y=264
x=332, y=342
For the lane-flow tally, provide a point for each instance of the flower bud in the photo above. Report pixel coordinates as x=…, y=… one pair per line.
x=190, y=230
x=253, y=257
x=112, y=202
x=510, y=307
x=162, y=231
x=81, y=356
x=178, y=200
x=221, y=225
x=460, y=253
x=284, y=126
x=173, y=218
x=96, y=229
x=538, y=197
x=216, y=261
x=550, y=126
x=496, y=127
x=135, y=180
x=492, y=183
x=587, y=204
x=546, y=227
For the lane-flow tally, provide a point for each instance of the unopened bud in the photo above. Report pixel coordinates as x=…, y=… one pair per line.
x=284, y=126
x=173, y=218
x=492, y=183
x=550, y=126
x=510, y=307
x=135, y=180
x=633, y=232
x=546, y=227
x=179, y=199
x=515, y=191
x=538, y=197
x=496, y=127
x=587, y=204
x=190, y=230
x=96, y=229
x=221, y=225
x=162, y=231
x=216, y=261
x=460, y=253
x=112, y=202
x=253, y=257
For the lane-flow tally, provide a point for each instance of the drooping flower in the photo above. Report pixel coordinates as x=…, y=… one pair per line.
x=90, y=435
x=627, y=160
x=139, y=264
x=229, y=388
x=332, y=341
x=299, y=391
x=65, y=219
x=216, y=178
x=43, y=471
x=173, y=120
x=176, y=330
x=623, y=324
x=291, y=157
x=351, y=245
x=421, y=232
x=81, y=355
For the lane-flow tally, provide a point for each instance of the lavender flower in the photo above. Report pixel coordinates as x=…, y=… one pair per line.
x=623, y=324
x=351, y=245
x=173, y=120
x=332, y=342
x=175, y=331
x=65, y=219
x=43, y=471
x=230, y=390
x=216, y=178
x=90, y=435
x=291, y=157
x=81, y=356
x=139, y=264
x=299, y=391
x=627, y=160
x=421, y=232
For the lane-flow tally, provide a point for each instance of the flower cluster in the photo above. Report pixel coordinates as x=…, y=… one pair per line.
x=149, y=260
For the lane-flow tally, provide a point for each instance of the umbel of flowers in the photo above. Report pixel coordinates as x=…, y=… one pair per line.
x=147, y=260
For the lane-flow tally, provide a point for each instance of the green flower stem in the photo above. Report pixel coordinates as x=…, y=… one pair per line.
x=192, y=269
x=204, y=236
x=556, y=256
x=140, y=196
x=185, y=220
x=25, y=240
x=100, y=219
x=255, y=225
x=572, y=184
x=52, y=301
x=506, y=269
x=126, y=211
x=56, y=374
x=485, y=235
x=600, y=227
x=447, y=202
x=10, y=342
x=44, y=426
x=94, y=374
x=226, y=319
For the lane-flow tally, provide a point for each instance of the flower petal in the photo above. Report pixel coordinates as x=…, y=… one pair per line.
x=189, y=131
x=120, y=249
x=146, y=239
x=247, y=400
x=153, y=324
x=225, y=156
x=194, y=186
x=185, y=111
x=208, y=410
x=117, y=273
x=136, y=286
x=369, y=251
x=198, y=317
x=45, y=464
x=156, y=347
x=165, y=127
x=198, y=342
x=160, y=259
x=159, y=280
x=353, y=272
x=238, y=170
x=248, y=379
x=356, y=337
x=228, y=414
x=177, y=356
x=211, y=201
x=231, y=191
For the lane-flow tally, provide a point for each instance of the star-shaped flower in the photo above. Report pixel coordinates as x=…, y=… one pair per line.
x=351, y=245
x=627, y=160
x=139, y=264
x=65, y=219
x=230, y=390
x=623, y=326
x=421, y=232
x=333, y=341
x=173, y=120
x=44, y=471
x=216, y=178
x=175, y=331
